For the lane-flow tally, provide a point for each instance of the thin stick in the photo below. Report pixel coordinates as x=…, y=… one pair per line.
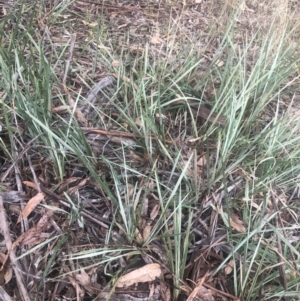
x=15, y=265
x=118, y=134
x=195, y=291
x=221, y=292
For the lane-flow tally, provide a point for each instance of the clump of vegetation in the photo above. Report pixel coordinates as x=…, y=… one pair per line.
x=131, y=147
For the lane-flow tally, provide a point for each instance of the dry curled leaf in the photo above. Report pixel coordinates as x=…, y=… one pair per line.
x=93, y=24
x=156, y=39
x=202, y=161
x=154, y=212
x=136, y=157
x=205, y=294
x=30, y=184
x=60, y=109
x=85, y=280
x=8, y=273
x=30, y=206
x=33, y=236
x=147, y=273
x=229, y=267
x=138, y=122
x=79, y=290
x=138, y=236
x=115, y=63
x=146, y=232
x=236, y=223
x=6, y=270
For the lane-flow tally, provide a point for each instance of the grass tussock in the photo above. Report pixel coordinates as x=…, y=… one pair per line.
x=133, y=135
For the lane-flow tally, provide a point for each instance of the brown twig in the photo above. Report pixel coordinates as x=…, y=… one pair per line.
x=195, y=291
x=15, y=265
x=221, y=292
x=119, y=134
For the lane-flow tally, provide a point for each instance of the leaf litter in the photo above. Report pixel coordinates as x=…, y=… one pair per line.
x=150, y=278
